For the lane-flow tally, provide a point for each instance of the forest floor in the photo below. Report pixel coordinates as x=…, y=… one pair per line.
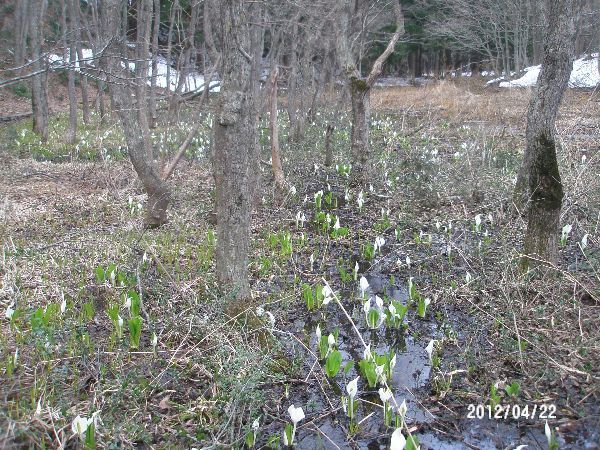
x=445, y=158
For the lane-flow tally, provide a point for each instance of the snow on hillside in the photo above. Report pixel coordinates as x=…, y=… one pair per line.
x=585, y=74
x=192, y=82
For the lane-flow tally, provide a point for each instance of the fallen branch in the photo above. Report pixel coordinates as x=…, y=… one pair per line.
x=14, y=118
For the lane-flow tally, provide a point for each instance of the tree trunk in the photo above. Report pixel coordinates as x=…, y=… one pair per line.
x=144, y=21
x=274, y=127
x=540, y=162
x=292, y=89
x=235, y=144
x=85, y=104
x=72, y=132
x=186, y=68
x=361, y=116
x=360, y=89
x=153, y=79
x=328, y=147
x=22, y=20
x=39, y=91
x=121, y=93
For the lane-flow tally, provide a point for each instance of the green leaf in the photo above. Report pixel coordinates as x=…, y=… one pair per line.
x=250, y=439
x=135, y=331
x=348, y=366
x=289, y=429
x=412, y=443
x=373, y=318
x=367, y=368
x=333, y=363
x=88, y=311
x=100, y=275
x=135, y=302
x=513, y=389
x=323, y=346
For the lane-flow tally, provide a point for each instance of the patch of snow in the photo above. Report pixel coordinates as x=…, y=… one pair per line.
x=193, y=81
x=585, y=74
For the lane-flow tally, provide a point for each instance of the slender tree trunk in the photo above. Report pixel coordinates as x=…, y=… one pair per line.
x=39, y=91
x=328, y=147
x=121, y=95
x=235, y=147
x=22, y=20
x=360, y=90
x=292, y=89
x=85, y=104
x=274, y=127
x=72, y=133
x=144, y=15
x=186, y=67
x=174, y=6
x=540, y=162
x=153, y=79
x=170, y=168
x=100, y=80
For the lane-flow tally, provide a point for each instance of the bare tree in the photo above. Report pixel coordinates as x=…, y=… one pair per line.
x=122, y=89
x=22, y=20
x=143, y=23
x=69, y=43
x=540, y=162
x=153, y=77
x=235, y=143
x=360, y=88
x=274, y=127
x=77, y=25
x=39, y=90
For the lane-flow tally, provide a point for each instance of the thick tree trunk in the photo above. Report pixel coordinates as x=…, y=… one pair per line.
x=39, y=91
x=274, y=128
x=361, y=116
x=540, y=162
x=235, y=149
x=360, y=89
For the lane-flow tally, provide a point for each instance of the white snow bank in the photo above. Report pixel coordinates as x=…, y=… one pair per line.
x=585, y=74
x=192, y=82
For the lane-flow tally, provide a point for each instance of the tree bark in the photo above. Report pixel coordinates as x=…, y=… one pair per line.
x=153, y=79
x=328, y=147
x=121, y=92
x=360, y=90
x=235, y=148
x=70, y=42
x=85, y=104
x=360, y=94
x=39, y=91
x=144, y=21
x=188, y=139
x=274, y=128
x=22, y=20
x=540, y=162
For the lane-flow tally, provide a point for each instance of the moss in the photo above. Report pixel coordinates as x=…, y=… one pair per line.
x=358, y=84
x=545, y=182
